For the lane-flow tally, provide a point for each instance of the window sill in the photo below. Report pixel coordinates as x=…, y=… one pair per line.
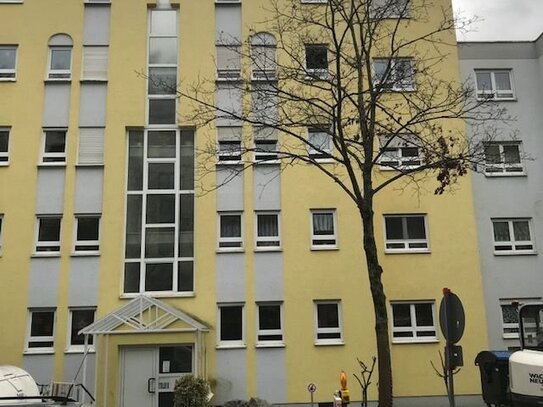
x=79, y=350
x=8, y=79
x=324, y=248
x=232, y=250
x=52, y=165
x=231, y=346
x=337, y=342
x=510, y=337
x=159, y=294
x=261, y=345
x=517, y=253
x=414, y=341
x=85, y=254
x=229, y=80
x=268, y=250
x=407, y=251
x=91, y=80
x=4, y=164
x=398, y=168
x=37, y=351
x=45, y=254
x=505, y=175
x=267, y=162
x=513, y=99
x=229, y=163
x=322, y=160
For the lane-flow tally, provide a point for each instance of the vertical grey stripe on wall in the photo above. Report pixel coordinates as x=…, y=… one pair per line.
x=230, y=192
x=92, y=109
x=228, y=23
x=44, y=276
x=84, y=281
x=268, y=274
x=271, y=375
x=57, y=105
x=50, y=196
x=40, y=367
x=231, y=374
x=230, y=277
x=97, y=23
x=267, y=187
x=88, y=190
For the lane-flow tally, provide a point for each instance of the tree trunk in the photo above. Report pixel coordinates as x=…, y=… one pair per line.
x=379, y=304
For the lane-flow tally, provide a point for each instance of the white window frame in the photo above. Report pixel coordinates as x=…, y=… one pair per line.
x=392, y=158
x=4, y=155
x=268, y=239
x=10, y=74
x=508, y=325
x=334, y=330
x=59, y=159
x=512, y=242
x=53, y=244
x=503, y=169
x=322, y=154
x=84, y=247
x=229, y=156
x=264, y=332
x=407, y=242
x=229, y=73
x=78, y=348
x=30, y=339
x=316, y=73
x=266, y=157
x=315, y=239
x=493, y=93
x=414, y=329
x=395, y=84
x=59, y=74
x=228, y=240
x=237, y=343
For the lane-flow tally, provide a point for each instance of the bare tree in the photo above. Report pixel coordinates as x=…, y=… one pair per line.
x=349, y=87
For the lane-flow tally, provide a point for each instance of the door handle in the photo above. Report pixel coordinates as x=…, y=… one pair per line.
x=151, y=385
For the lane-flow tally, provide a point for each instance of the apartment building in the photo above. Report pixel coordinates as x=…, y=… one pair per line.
x=507, y=191
x=123, y=267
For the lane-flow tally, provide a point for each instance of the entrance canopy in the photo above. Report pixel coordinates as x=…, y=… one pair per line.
x=144, y=314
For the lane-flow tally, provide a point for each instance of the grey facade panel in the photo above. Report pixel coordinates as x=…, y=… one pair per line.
x=97, y=22
x=50, y=196
x=271, y=375
x=231, y=374
x=84, y=272
x=43, y=282
x=40, y=367
x=230, y=271
x=230, y=192
x=268, y=276
x=229, y=104
x=72, y=363
x=88, y=190
x=228, y=23
x=267, y=187
x=92, y=110
x=497, y=50
x=56, y=108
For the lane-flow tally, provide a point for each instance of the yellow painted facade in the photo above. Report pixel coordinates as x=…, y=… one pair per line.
x=308, y=275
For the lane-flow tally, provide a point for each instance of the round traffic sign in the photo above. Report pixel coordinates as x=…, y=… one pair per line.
x=311, y=387
x=451, y=317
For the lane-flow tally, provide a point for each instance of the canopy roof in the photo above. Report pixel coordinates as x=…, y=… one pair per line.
x=144, y=314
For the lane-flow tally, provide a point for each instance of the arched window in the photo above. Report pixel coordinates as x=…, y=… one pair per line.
x=263, y=50
x=60, y=57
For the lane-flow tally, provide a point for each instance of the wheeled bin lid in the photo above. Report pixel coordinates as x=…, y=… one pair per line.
x=492, y=356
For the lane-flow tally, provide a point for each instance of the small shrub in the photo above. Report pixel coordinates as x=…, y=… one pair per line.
x=191, y=391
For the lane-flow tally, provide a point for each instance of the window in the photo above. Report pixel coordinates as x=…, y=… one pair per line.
x=87, y=234
x=79, y=319
x=494, y=84
x=228, y=61
x=41, y=330
x=381, y=9
x=400, y=152
x=405, y=233
x=266, y=151
x=229, y=151
x=54, y=146
x=323, y=229
x=4, y=146
x=316, y=61
x=503, y=158
x=510, y=320
x=162, y=67
x=270, y=330
x=319, y=143
x=396, y=74
x=95, y=60
x=159, y=240
x=48, y=234
x=231, y=321
x=267, y=230
x=413, y=322
x=328, y=322
x=512, y=236
x=230, y=230
x=8, y=62
x=263, y=49
x=60, y=62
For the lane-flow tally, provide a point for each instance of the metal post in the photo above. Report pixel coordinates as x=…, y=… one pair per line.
x=449, y=355
x=312, y=405
x=84, y=376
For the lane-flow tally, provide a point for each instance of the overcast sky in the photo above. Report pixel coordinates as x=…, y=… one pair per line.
x=503, y=20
